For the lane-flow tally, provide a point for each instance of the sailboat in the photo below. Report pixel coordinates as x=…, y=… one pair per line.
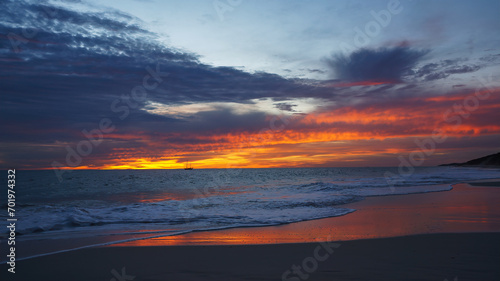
x=188, y=167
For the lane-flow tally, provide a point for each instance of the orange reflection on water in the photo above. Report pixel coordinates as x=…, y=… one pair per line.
x=463, y=209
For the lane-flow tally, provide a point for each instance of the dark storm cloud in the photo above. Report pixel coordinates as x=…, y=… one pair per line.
x=385, y=64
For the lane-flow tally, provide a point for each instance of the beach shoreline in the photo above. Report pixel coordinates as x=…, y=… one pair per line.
x=427, y=236
x=437, y=212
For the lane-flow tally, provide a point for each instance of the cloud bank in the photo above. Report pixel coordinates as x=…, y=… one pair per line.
x=64, y=77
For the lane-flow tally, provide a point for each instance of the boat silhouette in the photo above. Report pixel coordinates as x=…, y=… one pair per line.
x=188, y=167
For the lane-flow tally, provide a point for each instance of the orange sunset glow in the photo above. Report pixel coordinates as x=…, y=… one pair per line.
x=319, y=138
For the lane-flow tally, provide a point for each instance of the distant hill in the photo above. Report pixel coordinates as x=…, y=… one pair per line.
x=486, y=161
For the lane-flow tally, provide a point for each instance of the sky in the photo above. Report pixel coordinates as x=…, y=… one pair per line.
x=247, y=84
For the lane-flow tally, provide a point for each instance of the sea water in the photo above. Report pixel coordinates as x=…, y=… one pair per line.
x=92, y=206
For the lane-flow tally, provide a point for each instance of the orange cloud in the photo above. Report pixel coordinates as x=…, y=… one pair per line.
x=320, y=138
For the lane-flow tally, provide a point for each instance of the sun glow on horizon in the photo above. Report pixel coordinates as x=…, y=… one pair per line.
x=342, y=136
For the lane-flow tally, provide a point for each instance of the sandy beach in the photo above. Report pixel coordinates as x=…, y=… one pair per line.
x=421, y=257
x=451, y=235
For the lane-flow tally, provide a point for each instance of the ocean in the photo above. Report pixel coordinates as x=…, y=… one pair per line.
x=98, y=207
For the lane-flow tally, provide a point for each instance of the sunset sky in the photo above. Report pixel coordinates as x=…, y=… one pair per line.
x=240, y=83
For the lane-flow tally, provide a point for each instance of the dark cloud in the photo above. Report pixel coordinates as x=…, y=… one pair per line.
x=427, y=69
x=462, y=69
x=408, y=87
x=380, y=89
x=436, y=76
x=443, y=69
x=451, y=62
x=315, y=70
x=285, y=106
x=65, y=76
x=61, y=70
x=490, y=58
x=385, y=64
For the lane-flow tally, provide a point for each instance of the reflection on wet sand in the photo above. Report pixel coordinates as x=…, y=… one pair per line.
x=466, y=208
